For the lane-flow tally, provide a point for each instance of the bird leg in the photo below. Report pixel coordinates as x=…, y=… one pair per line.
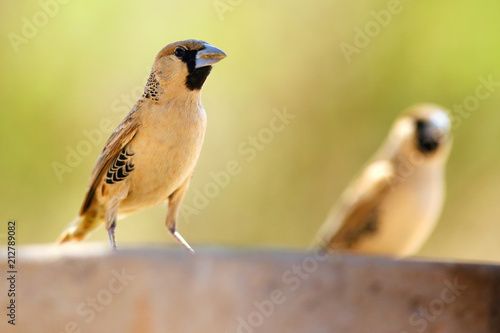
x=120, y=193
x=110, y=216
x=181, y=240
x=111, y=234
x=174, y=203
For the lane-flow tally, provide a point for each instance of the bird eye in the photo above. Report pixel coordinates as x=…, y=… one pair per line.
x=180, y=52
x=426, y=138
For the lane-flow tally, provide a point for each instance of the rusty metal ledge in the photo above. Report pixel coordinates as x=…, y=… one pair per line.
x=87, y=288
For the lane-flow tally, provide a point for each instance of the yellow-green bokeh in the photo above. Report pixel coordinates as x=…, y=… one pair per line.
x=77, y=68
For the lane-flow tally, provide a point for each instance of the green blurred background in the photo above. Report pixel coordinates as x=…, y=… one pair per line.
x=86, y=62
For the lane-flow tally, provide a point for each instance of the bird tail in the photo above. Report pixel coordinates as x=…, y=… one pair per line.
x=80, y=228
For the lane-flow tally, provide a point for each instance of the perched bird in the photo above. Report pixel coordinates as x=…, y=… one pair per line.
x=149, y=159
x=392, y=207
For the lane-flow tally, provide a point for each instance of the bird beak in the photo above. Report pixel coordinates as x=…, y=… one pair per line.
x=435, y=134
x=209, y=56
x=441, y=126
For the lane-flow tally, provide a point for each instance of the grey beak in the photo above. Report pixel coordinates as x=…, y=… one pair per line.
x=440, y=126
x=209, y=56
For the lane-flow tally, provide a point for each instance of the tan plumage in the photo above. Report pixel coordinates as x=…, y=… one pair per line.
x=393, y=205
x=150, y=157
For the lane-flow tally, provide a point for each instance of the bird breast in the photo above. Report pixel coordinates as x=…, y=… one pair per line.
x=408, y=213
x=166, y=150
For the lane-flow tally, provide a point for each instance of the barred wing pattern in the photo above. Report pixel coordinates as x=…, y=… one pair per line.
x=122, y=166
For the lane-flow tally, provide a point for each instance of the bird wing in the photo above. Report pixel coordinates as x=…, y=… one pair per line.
x=356, y=213
x=113, y=149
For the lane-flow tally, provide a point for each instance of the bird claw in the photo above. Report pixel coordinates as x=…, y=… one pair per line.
x=181, y=241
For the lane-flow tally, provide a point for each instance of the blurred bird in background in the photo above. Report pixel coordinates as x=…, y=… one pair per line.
x=150, y=158
x=392, y=207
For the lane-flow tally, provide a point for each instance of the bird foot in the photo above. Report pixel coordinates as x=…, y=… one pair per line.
x=181, y=241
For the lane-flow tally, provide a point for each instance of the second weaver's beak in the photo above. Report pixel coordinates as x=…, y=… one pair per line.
x=440, y=126
x=209, y=56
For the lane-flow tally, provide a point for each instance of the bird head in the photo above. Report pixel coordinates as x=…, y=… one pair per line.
x=183, y=67
x=422, y=131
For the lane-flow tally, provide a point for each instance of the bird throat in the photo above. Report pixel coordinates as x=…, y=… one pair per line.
x=196, y=77
x=194, y=81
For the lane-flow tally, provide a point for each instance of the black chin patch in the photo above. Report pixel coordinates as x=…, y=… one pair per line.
x=196, y=76
x=425, y=141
